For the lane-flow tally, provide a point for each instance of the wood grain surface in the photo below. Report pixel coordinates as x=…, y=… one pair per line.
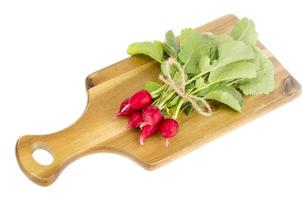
x=97, y=129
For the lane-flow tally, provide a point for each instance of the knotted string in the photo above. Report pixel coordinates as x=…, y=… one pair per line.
x=180, y=89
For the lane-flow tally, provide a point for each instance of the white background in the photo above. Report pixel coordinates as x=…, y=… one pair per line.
x=47, y=48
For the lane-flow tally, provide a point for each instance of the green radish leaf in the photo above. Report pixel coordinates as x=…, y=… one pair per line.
x=219, y=39
x=259, y=57
x=199, y=83
x=187, y=108
x=227, y=95
x=178, y=78
x=214, y=51
x=171, y=46
x=152, y=49
x=164, y=70
x=200, y=104
x=244, y=30
x=190, y=86
x=204, y=64
x=151, y=86
x=210, y=88
x=173, y=102
x=264, y=82
x=237, y=70
x=232, y=51
x=192, y=46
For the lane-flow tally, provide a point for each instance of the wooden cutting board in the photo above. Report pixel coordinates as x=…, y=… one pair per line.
x=98, y=131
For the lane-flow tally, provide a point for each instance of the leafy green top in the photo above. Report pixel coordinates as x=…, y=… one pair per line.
x=203, y=66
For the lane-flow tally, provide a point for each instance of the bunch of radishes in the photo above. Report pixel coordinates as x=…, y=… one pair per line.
x=147, y=117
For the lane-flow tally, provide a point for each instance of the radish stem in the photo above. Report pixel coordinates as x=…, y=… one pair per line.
x=160, y=106
x=175, y=115
x=158, y=90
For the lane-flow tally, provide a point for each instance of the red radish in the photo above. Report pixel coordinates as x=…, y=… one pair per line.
x=168, y=128
x=151, y=116
x=146, y=131
x=135, y=120
x=140, y=100
x=125, y=109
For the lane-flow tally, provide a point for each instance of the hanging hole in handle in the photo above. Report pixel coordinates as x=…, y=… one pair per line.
x=41, y=154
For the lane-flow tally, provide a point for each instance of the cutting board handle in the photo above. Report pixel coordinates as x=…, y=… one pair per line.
x=65, y=146
x=42, y=174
